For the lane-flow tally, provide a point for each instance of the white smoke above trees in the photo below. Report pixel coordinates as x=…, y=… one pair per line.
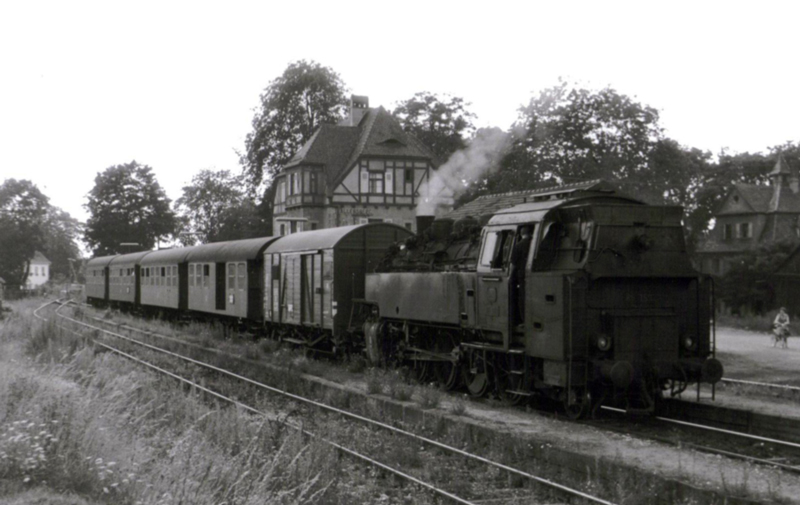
x=480, y=158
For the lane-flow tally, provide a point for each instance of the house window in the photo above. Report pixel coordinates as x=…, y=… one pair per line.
x=376, y=182
x=727, y=232
x=408, y=181
x=291, y=183
x=292, y=226
x=312, y=183
x=745, y=230
x=283, y=229
x=313, y=225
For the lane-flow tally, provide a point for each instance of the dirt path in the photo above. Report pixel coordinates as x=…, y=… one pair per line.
x=749, y=355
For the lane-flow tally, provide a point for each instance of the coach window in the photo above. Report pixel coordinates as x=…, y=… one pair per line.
x=231, y=275
x=241, y=268
x=191, y=275
x=206, y=275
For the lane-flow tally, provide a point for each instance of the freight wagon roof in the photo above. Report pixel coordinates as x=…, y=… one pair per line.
x=129, y=258
x=234, y=250
x=175, y=255
x=100, y=261
x=326, y=238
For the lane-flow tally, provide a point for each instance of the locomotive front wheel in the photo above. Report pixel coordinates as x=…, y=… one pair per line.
x=477, y=382
x=508, y=378
x=577, y=403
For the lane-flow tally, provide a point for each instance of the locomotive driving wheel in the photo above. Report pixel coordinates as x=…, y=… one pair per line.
x=446, y=372
x=475, y=373
x=419, y=370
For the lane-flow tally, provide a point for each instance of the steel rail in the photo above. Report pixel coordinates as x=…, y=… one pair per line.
x=717, y=430
x=37, y=309
x=351, y=415
x=762, y=384
x=300, y=429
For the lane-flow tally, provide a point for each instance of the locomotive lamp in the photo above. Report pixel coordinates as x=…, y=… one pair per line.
x=604, y=342
x=688, y=343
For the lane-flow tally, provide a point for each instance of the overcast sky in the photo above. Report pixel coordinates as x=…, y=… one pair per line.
x=87, y=85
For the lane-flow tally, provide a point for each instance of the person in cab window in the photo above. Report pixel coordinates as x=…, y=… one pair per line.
x=519, y=256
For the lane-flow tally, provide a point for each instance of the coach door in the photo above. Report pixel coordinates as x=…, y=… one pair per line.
x=220, y=286
x=493, y=281
x=311, y=288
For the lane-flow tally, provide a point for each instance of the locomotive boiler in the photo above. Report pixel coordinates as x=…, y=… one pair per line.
x=582, y=296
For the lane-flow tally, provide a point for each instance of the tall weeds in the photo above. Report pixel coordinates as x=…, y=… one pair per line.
x=96, y=425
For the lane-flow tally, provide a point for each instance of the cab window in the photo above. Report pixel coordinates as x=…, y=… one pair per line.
x=497, y=249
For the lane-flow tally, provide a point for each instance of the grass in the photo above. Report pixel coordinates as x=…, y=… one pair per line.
x=92, y=426
x=197, y=435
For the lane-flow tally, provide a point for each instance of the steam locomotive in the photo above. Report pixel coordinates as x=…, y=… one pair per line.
x=579, y=294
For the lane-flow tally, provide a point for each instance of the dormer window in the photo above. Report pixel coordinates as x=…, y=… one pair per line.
x=391, y=143
x=745, y=230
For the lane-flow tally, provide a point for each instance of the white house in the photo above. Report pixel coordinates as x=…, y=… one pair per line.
x=38, y=271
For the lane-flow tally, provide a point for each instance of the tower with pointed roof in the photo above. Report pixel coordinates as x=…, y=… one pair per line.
x=751, y=215
x=364, y=169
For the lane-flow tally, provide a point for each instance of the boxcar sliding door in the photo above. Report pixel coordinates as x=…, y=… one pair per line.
x=311, y=288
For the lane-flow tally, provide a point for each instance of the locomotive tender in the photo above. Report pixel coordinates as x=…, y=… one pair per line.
x=579, y=293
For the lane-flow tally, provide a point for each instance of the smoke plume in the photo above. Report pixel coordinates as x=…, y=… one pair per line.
x=480, y=158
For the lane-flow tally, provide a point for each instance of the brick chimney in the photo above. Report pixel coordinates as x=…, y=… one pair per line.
x=359, y=105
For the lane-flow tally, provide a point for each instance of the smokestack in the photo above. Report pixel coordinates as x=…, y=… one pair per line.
x=423, y=223
x=359, y=105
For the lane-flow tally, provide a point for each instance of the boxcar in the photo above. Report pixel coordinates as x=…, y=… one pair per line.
x=312, y=277
x=226, y=278
x=97, y=279
x=123, y=278
x=164, y=279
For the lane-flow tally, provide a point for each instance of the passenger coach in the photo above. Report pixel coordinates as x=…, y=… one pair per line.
x=226, y=278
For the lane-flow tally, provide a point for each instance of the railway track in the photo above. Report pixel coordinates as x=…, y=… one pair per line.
x=773, y=461
x=688, y=415
x=444, y=451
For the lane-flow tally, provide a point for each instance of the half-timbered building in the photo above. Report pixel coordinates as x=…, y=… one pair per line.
x=365, y=169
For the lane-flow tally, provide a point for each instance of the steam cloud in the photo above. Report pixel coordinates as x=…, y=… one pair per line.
x=477, y=160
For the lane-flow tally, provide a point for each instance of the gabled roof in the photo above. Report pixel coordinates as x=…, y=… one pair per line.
x=39, y=258
x=488, y=205
x=330, y=146
x=338, y=147
x=781, y=167
x=756, y=196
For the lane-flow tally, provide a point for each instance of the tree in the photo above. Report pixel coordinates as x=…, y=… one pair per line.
x=568, y=134
x=214, y=207
x=23, y=211
x=292, y=107
x=442, y=124
x=745, y=286
x=61, y=232
x=127, y=205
